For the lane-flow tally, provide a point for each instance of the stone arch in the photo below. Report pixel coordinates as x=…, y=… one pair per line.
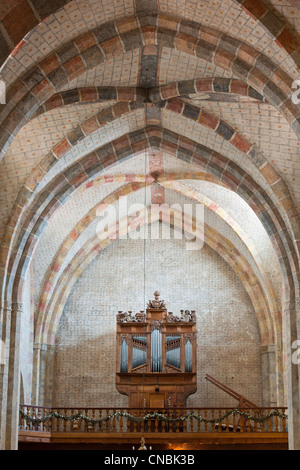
x=56, y=192
x=194, y=113
x=138, y=94
x=33, y=14
x=273, y=334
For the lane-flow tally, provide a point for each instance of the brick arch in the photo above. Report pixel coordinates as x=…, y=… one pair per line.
x=141, y=178
x=152, y=137
x=94, y=94
x=44, y=80
x=285, y=38
x=52, y=277
x=216, y=241
x=56, y=193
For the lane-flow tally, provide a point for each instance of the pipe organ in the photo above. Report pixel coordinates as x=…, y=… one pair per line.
x=156, y=356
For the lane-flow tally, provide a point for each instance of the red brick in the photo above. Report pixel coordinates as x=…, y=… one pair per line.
x=247, y=53
x=210, y=35
x=43, y=89
x=120, y=108
x=288, y=41
x=55, y=101
x=121, y=143
x=239, y=87
x=109, y=160
x=270, y=174
x=169, y=91
x=185, y=43
x=175, y=105
x=223, y=59
x=258, y=79
x=126, y=94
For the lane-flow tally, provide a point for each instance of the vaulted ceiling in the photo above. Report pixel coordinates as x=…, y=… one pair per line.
x=170, y=101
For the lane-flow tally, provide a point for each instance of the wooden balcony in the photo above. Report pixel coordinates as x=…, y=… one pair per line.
x=191, y=428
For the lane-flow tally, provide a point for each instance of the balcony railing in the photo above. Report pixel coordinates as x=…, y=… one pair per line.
x=121, y=420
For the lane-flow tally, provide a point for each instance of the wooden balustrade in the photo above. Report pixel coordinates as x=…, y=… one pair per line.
x=130, y=420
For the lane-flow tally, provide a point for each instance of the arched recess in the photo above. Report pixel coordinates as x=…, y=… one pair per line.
x=222, y=246
x=44, y=79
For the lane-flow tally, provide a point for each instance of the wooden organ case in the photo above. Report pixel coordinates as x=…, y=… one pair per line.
x=156, y=356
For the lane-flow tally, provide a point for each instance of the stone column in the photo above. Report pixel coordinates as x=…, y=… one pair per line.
x=46, y=374
x=35, y=390
x=13, y=385
x=291, y=309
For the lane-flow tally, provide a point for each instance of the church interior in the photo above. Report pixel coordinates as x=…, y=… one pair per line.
x=176, y=324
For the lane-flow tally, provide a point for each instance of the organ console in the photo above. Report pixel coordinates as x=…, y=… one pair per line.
x=156, y=356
